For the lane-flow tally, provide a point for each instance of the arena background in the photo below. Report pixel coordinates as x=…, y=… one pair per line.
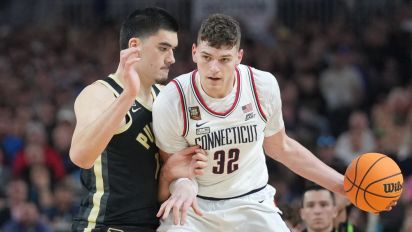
x=344, y=69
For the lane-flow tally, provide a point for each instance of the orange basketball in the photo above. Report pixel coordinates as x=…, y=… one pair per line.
x=372, y=182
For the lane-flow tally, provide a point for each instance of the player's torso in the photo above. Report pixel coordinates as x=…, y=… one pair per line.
x=124, y=178
x=232, y=139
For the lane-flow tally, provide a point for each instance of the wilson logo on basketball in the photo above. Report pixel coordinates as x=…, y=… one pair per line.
x=392, y=187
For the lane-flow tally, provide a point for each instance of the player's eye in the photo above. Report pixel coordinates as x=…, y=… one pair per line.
x=224, y=60
x=162, y=49
x=206, y=58
x=310, y=205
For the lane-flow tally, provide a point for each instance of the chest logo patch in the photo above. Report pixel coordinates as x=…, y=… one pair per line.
x=194, y=113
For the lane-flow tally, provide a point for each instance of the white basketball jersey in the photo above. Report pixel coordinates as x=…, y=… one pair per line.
x=233, y=139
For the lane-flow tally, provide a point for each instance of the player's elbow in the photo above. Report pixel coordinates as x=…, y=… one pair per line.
x=78, y=158
x=278, y=151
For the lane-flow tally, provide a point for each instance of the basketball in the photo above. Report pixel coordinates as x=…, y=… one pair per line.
x=373, y=181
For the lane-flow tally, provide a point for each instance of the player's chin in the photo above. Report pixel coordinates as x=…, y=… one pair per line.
x=162, y=79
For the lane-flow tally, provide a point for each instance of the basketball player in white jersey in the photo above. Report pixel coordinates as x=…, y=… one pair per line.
x=234, y=113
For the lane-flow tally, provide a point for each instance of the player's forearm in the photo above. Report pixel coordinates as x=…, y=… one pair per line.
x=164, y=193
x=301, y=161
x=89, y=143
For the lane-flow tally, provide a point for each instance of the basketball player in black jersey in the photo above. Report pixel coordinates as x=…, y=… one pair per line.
x=113, y=141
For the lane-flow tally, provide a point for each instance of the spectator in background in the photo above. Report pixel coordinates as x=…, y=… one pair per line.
x=17, y=193
x=40, y=186
x=341, y=86
x=391, y=118
x=320, y=211
x=358, y=139
x=5, y=174
x=61, y=139
x=325, y=147
x=64, y=208
x=37, y=151
x=26, y=218
x=11, y=134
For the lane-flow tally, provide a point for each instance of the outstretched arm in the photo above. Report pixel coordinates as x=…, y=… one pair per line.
x=300, y=160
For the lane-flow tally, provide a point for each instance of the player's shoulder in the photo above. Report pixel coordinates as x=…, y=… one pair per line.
x=95, y=95
x=96, y=90
x=260, y=77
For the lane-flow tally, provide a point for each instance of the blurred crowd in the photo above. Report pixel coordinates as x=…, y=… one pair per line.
x=345, y=91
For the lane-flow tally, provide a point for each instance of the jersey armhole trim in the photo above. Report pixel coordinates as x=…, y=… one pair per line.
x=183, y=105
x=255, y=95
x=126, y=126
x=105, y=83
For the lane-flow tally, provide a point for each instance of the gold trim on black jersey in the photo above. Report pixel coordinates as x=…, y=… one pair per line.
x=128, y=123
x=97, y=196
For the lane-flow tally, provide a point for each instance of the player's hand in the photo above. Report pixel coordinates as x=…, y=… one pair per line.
x=182, y=198
x=393, y=204
x=189, y=163
x=198, y=163
x=128, y=58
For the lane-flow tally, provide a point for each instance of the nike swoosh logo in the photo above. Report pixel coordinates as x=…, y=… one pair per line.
x=261, y=201
x=135, y=110
x=200, y=124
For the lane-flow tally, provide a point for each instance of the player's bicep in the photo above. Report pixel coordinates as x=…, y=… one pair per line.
x=90, y=104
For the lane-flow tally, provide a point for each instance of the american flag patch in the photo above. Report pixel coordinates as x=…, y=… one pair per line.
x=247, y=108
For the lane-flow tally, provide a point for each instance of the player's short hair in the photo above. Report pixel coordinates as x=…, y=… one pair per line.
x=220, y=30
x=142, y=23
x=314, y=187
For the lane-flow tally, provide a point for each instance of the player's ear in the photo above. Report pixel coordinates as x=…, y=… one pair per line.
x=302, y=213
x=239, y=56
x=335, y=211
x=134, y=42
x=194, y=50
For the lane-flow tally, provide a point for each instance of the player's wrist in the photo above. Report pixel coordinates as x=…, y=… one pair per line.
x=183, y=182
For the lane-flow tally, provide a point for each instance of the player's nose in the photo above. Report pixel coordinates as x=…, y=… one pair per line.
x=170, y=58
x=214, y=66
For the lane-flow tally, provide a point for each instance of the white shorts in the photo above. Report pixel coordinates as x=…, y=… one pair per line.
x=253, y=212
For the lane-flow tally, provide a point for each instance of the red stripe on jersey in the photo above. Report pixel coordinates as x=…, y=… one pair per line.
x=183, y=106
x=202, y=101
x=256, y=94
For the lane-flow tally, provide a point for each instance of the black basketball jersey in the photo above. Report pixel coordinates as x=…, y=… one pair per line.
x=122, y=184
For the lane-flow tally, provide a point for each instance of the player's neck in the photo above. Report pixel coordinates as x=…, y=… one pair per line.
x=329, y=229
x=221, y=91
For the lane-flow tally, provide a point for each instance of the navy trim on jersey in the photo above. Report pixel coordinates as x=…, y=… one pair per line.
x=184, y=106
x=203, y=104
x=156, y=90
x=255, y=95
x=228, y=198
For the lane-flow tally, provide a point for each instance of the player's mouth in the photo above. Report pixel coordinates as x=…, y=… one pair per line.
x=213, y=78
